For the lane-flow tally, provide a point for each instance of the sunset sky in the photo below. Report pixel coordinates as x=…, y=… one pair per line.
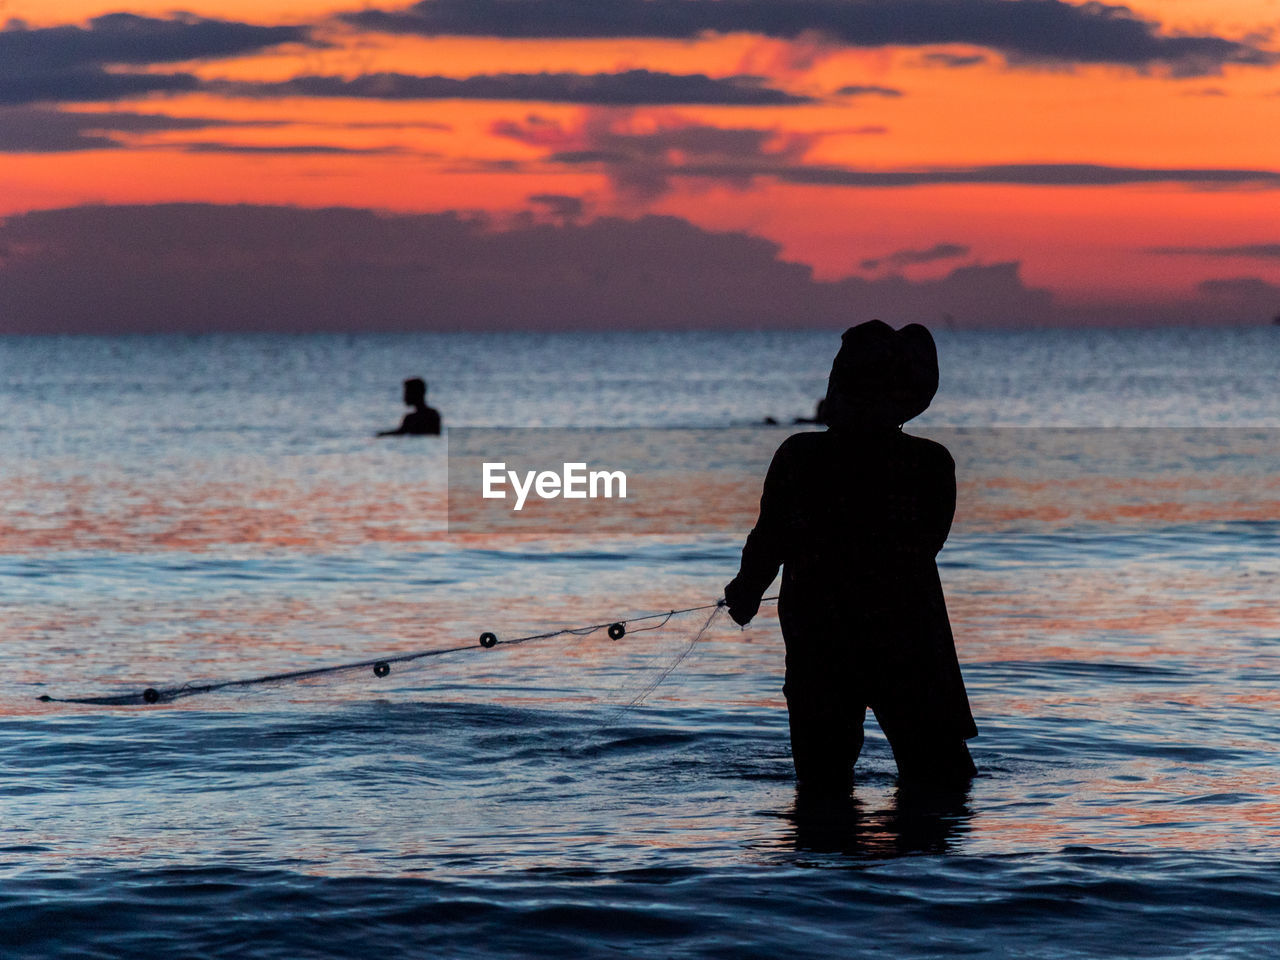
x=633, y=163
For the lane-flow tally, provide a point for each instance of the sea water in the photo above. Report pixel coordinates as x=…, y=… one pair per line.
x=179, y=509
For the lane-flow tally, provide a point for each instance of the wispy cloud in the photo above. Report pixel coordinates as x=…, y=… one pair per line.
x=628, y=88
x=955, y=61
x=1025, y=174
x=45, y=130
x=1252, y=251
x=907, y=258
x=279, y=149
x=857, y=90
x=1240, y=288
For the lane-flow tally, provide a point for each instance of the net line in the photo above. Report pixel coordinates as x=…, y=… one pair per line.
x=381, y=666
x=666, y=671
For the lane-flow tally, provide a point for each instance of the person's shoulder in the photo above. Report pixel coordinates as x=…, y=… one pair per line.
x=800, y=451
x=803, y=444
x=928, y=450
x=421, y=422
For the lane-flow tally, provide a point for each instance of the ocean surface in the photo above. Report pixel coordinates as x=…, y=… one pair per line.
x=198, y=509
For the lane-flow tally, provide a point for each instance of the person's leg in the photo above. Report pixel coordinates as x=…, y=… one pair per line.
x=826, y=734
x=924, y=757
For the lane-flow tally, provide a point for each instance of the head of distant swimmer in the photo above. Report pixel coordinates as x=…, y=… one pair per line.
x=415, y=392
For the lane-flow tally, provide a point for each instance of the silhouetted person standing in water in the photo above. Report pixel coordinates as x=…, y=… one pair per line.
x=855, y=516
x=423, y=420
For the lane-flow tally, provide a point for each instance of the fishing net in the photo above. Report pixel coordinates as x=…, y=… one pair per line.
x=382, y=666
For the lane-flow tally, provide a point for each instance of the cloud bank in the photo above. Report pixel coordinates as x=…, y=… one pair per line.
x=201, y=267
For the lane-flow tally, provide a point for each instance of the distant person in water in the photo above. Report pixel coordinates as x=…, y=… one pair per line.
x=424, y=420
x=819, y=416
x=855, y=516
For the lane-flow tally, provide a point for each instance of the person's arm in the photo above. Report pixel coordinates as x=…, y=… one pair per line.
x=942, y=505
x=765, y=547
x=398, y=430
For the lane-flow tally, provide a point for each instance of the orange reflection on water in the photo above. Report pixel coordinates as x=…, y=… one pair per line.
x=999, y=502
x=1065, y=627
x=79, y=515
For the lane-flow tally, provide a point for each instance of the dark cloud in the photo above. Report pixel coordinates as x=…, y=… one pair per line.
x=868, y=91
x=969, y=295
x=907, y=258
x=1256, y=251
x=128, y=39
x=1241, y=299
x=1234, y=301
x=953, y=60
x=43, y=130
x=1027, y=174
x=198, y=267
x=88, y=85
x=1024, y=31
x=70, y=62
x=629, y=88
x=1241, y=289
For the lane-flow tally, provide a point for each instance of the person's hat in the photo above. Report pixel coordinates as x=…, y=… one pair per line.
x=892, y=373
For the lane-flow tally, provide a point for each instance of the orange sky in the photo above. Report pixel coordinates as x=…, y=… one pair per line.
x=1087, y=244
